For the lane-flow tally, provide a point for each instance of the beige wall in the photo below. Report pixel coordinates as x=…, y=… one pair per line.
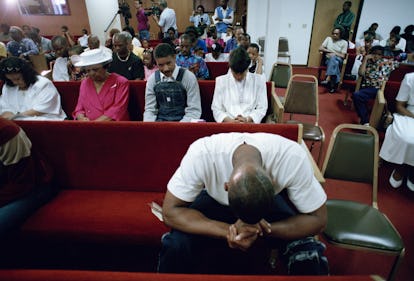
x=183, y=10
x=326, y=12
x=48, y=25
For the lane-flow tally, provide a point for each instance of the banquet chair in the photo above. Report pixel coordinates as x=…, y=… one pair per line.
x=353, y=156
x=280, y=74
x=301, y=100
x=283, y=49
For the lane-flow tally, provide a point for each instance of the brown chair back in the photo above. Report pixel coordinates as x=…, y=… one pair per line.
x=302, y=95
x=281, y=73
x=39, y=62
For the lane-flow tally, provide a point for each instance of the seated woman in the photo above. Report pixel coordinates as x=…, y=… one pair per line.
x=24, y=178
x=103, y=96
x=334, y=49
x=27, y=95
x=217, y=54
x=239, y=96
x=398, y=146
x=150, y=66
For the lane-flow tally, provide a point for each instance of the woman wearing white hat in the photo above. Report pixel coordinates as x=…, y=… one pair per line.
x=103, y=96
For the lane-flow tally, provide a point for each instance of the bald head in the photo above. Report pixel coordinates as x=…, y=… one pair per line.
x=250, y=193
x=93, y=42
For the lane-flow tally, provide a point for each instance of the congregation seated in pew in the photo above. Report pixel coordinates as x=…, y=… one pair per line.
x=69, y=93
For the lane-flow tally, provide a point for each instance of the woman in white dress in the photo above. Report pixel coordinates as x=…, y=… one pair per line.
x=398, y=146
x=27, y=95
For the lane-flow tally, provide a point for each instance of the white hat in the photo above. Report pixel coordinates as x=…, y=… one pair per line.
x=92, y=57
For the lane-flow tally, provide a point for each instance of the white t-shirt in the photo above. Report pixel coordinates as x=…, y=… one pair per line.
x=340, y=46
x=60, y=69
x=208, y=164
x=247, y=98
x=41, y=96
x=223, y=57
x=83, y=40
x=167, y=20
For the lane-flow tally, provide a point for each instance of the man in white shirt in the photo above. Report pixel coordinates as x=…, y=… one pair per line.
x=83, y=40
x=223, y=17
x=226, y=196
x=167, y=18
x=60, y=70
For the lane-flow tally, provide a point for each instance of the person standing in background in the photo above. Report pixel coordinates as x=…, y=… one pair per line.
x=345, y=19
x=223, y=17
x=67, y=35
x=200, y=19
x=83, y=40
x=167, y=18
x=142, y=19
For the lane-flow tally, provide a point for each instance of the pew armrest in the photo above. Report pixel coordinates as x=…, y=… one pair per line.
x=317, y=173
x=277, y=107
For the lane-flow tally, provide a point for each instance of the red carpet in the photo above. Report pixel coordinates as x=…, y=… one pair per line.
x=397, y=204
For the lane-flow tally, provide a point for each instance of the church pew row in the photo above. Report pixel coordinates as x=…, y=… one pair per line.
x=77, y=275
x=69, y=93
x=107, y=174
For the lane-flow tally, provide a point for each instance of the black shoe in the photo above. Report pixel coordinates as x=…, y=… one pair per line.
x=332, y=86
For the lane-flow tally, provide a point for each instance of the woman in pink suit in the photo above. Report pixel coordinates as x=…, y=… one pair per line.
x=103, y=96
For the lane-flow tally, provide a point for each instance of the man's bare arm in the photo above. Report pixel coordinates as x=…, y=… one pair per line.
x=177, y=214
x=301, y=225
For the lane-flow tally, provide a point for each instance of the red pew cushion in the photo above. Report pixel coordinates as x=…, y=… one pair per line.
x=121, y=217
